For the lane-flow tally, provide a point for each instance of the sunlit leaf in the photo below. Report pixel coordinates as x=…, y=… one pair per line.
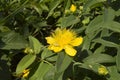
x=35, y=44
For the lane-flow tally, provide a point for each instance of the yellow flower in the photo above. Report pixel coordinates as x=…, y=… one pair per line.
x=102, y=70
x=64, y=39
x=25, y=73
x=73, y=8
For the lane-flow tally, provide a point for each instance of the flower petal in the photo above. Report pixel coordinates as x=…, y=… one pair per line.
x=77, y=41
x=55, y=48
x=73, y=8
x=70, y=51
x=50, y=40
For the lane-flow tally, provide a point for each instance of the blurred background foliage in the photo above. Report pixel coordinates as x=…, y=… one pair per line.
x=24, y=24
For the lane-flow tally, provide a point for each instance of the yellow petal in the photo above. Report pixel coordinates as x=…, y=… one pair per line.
x=50, y=40
x=55, y=48
x=73, y=8
x=25, y=73
x=77, y=41
x=70, y=51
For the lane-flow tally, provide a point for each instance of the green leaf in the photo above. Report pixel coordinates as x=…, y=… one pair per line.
x=48, y=55
x=102, y=22
x=86, y=44
x=4, y=29
x=50, y=74
x=35, y=44
x=67, y=4
x=114, y=26
x=99, y=50
x=94, y=27
x=114, y=75
x=117, y=13
x=105, y=33
x=68, y=21
x=12, y=40
x=90, y=3
x=99, y=58
x=37, y=7
x=63, y=61
x=109, y=15
x=95, y=24
x=17, y=10
x=81, y=65
x=105, y=43
x=108, y=22
x=118, y=59
x=41, y=71
x=53, y=5
x=25, y=62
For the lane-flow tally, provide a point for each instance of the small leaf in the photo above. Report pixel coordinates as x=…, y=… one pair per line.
x=25, y=62
x=99, y=50
x=35, y=44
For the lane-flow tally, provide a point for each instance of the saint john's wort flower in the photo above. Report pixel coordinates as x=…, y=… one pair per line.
x=64, y=39
x=102, y=70
x=25, y=73
x=73, y=8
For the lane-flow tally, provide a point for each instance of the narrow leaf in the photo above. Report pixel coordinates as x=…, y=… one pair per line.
x=25, y=62
x=105, y=43
x=99, y=58
x=118, y=59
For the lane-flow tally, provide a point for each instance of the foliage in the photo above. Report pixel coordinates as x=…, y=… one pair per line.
x=24, y=24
